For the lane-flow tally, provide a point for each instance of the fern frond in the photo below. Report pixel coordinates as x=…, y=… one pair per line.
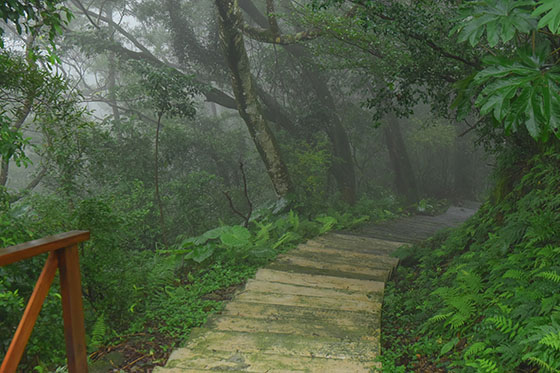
x=440, y=317
x=504, y=324
x=551, y=340
x=542, y=364
x=484, y=365
x=549, y=275
x=474, y=349
x=515, y=274
x=470, y=281
x=98, y=332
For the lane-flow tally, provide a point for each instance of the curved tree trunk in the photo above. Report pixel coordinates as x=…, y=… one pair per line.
x=246, y=96
x=342, y=168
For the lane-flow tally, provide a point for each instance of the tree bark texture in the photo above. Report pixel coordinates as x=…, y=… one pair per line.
x=405, y=182
x=342, y=168
x=246, y=95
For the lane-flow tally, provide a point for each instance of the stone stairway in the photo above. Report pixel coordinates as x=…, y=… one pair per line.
x=314, y=309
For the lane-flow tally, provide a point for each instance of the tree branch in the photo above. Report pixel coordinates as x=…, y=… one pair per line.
x=268, y=36
x=247, y=216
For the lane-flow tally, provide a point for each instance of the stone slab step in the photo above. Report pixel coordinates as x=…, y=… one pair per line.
x=378, y=249
x=342, y=254
x=319, y=281
x=380, y=276
x=305, y=314
x=188, y=370
x=341, y=267
x=276, y=287
x=254, y=362
x=339, y=259
x=358, y=238
x=310, y=302
x=306, y=327
x=282, y=344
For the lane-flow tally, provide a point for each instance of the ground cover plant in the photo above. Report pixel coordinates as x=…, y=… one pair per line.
x=483, y=298
x=140, y=304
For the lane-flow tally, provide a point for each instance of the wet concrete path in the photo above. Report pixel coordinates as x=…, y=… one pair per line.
x=314, y=309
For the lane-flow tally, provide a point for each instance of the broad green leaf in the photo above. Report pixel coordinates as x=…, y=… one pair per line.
x=235, y=236
x=501, y=19
x=492, y=34
x=551, y=18
x=209, y=235
x=520, y=92
x=448, y=346
x=531, y=122
x=201, y=253
x=262, y=252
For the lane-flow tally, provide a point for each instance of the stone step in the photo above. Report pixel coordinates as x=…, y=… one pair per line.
x=277, y=287
x=340, y=267
x=349, y=246
x=305, y=314
x=191, y=361
x=319, y=281
x=375, y=250
x=370, y=241
x=343, y=254
x=307, y=327
x=339, y=259
x=356, y=243
x=281, y=344
x=378, y=276
x=310, y=302
x=183, y=370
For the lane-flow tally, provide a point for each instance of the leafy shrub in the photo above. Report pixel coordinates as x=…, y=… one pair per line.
x=486, y=297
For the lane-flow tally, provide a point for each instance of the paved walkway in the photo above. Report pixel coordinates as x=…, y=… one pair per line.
x=314, y=309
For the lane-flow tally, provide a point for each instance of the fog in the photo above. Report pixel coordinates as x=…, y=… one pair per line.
x=150, y=123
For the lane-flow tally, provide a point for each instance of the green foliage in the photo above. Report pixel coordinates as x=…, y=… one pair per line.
x=521, y=92
x=12, y=143
x=501, y=19
x=260, y=242
x=30, y=16
x=494, y=306
x=518, y=82
x=550, y=12
x=163, y=90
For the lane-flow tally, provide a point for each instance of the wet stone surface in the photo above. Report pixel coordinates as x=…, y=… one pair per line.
x=315, y=309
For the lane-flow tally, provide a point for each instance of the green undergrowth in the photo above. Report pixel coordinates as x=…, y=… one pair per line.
x=142, y=302
x=484, y=297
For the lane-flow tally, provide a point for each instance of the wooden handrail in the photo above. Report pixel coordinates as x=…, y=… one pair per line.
x=63, y=255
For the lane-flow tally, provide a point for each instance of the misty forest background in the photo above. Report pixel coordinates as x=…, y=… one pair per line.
x=198, y=139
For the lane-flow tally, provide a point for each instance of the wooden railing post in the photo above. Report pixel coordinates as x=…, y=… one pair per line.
x=72, y=309
x=63, y=255
x=25, y=327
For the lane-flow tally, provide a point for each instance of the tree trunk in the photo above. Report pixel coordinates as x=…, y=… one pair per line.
x=246, y=96
x=342, y=168
x=111, y=74
x=4, y=168
x=405, y=182
x=156, y=177
x=462, y=169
